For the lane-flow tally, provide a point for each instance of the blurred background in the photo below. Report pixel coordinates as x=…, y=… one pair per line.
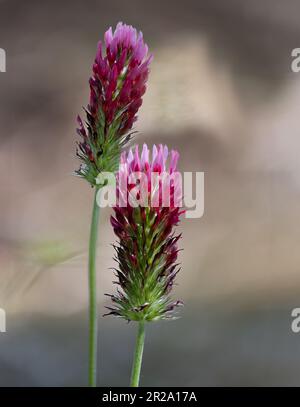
x=222, y=92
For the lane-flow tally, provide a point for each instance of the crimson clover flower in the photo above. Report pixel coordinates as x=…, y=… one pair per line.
x=117, y=85
x=146, y=252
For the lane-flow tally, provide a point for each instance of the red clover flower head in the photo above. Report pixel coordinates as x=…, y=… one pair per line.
x=147, y=250
x=120, y=73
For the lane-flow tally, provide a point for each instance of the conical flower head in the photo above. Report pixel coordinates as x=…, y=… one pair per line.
x=120, y=73
x=147, y=250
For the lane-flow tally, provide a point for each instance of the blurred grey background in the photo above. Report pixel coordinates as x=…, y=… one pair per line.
x=222, y=92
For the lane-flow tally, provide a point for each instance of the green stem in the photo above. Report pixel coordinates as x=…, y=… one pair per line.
x=138, y=355
x=93, y=295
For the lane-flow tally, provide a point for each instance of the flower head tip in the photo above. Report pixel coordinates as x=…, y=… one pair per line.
x=120, y=73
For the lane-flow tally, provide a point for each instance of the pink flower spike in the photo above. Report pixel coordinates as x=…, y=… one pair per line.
x=147, y=249
x=117, y=85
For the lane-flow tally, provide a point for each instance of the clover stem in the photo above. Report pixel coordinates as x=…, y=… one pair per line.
x=138, y=355
x=93, y=328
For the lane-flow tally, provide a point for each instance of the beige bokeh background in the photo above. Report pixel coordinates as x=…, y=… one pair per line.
x=221, y=91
